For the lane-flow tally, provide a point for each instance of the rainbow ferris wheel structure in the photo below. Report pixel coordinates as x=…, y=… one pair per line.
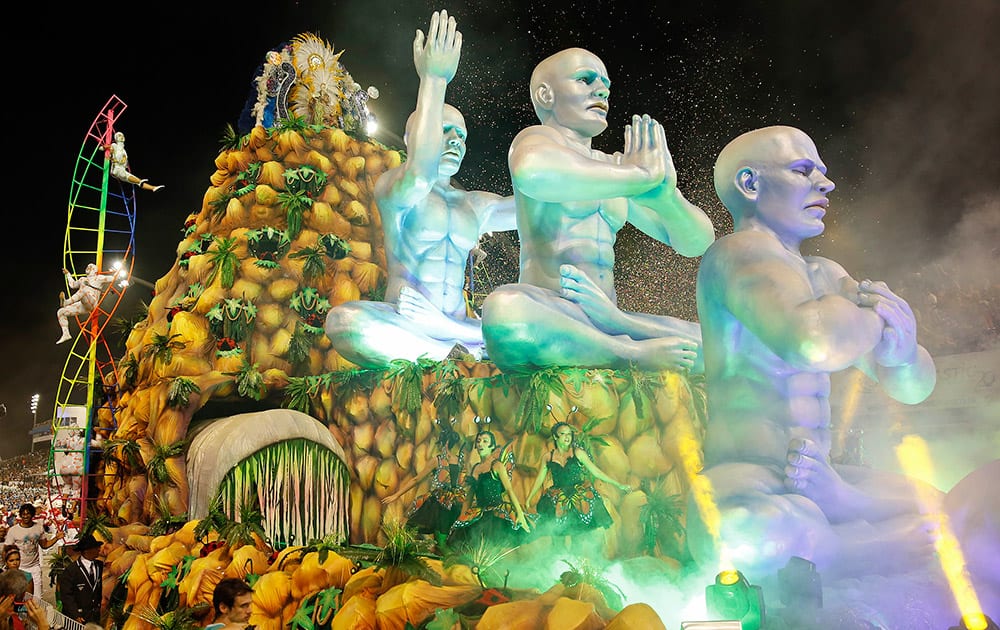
x=100, y=231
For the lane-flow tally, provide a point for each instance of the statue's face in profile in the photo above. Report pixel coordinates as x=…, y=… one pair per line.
x=580, y=89
x=792, y=187
x=453, y=142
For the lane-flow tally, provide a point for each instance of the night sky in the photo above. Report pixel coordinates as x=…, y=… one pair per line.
x=903, y=100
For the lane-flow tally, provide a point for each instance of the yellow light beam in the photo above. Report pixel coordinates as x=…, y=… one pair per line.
x=851, y=398
x=702, y=494
x=915, y=460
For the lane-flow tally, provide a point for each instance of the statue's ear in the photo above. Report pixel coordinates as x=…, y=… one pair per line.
x=746, y=182
x=544, y=95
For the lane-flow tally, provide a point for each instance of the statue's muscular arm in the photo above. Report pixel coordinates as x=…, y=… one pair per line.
x=545, y=167
x=772, y=299
x=436, y=61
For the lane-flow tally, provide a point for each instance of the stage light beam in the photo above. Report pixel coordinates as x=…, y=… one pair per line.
x=915, y=460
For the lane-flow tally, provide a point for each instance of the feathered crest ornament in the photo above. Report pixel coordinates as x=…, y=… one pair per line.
x=313, y=53
x=305, y=79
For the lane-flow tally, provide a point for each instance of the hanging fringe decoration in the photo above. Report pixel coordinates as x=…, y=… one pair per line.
x=302, y=488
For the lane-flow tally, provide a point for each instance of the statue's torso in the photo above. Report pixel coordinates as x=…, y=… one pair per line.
x=757, y=400
x=431, y=249
x=580, y=233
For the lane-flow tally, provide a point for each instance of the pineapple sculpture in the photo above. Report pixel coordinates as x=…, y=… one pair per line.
x=288, y=229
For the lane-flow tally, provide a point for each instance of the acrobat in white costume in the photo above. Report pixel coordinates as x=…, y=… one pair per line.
x=119, y=164
x=85, y=299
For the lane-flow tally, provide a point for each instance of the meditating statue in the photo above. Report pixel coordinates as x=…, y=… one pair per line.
x=572, y=200
x=430, y=227
x=775, y=326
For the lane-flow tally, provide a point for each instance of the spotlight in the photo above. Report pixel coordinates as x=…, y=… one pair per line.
x=733, y=597
x=799, y=585
x=976, y=622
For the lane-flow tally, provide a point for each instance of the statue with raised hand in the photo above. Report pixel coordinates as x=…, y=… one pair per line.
x=430, y=227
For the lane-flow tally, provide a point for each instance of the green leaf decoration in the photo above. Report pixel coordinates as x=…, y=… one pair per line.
x=305, y=179
x=303, y=617
x=327, y=604
x=249, y=381
x=268, y=245
x=345, y=383
x=166, y=523
x=334, y=246
x=586, y=440
x=311, y=307
x=535, y=398
x=297, y=394
x=233, y=318
x=224, y=261
x=295, y=205
x=157, y=465
x=444, y=369
x=640, y=389
x=161, y=349
x=220, y=204
x=292, y=123
x=129, y=370
x=246, y=180
x=58, y=562
x=215, y=521
x=179, y=394
x=661, y=514
x=407, y=384
x=315, y=263
x=404, y=551
x=481, y=556
x=577, y=378
x=181, y=618
x=450, y=397
x=299, y=345
x=97, y=523
x=587, y=574
x=126, y=453
x=231, y=139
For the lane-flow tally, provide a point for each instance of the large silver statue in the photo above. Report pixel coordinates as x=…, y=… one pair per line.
x=775, y=326
x=571, y=202
x=430, y=227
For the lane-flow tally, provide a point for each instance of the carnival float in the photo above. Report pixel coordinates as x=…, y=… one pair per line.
x=230, y=439
x=240, y=444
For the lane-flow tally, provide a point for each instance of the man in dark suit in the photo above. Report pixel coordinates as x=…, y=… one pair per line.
x=80, y=583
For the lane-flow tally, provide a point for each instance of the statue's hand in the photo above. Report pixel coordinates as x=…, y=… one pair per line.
x=849, y=290
x=438, y=56
x=579, y=288
x=645, y=147
x=899, y=335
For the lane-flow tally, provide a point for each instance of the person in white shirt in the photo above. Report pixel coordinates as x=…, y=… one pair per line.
x=30, y=538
